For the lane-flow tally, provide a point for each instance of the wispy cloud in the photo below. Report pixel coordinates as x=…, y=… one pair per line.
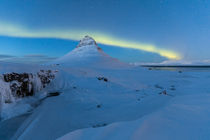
x=177, y=62
x=35, y=56
x=3, y=56
x=19, y=31
x=29, y=58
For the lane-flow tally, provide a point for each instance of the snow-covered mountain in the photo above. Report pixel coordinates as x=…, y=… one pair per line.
x=88, y=54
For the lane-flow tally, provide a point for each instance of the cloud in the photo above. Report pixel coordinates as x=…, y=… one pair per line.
x=186, y=62
x=2, y=56
x=38, y=58
x=35, y=56
x=29, y=58
x=177, y=63
x=7, y=29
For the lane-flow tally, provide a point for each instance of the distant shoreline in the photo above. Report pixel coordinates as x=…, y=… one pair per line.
x=176, y=66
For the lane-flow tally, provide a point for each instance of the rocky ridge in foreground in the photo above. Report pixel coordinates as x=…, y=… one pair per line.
x=18, y=85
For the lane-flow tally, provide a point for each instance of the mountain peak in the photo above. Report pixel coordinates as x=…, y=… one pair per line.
x=87, y=41
x=87, y=53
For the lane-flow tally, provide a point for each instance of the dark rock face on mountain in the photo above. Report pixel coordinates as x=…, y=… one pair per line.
x=23, y=84
x=88, y=41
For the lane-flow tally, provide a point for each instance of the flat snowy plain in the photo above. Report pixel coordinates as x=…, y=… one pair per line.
x=184, y=116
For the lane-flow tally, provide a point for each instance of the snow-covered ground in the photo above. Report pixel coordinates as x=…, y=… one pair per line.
x=185, y=116
x=103, y=98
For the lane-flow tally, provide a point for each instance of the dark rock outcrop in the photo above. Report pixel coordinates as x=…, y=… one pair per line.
x=53, y=94
x=163, y=92
x=103, y=78
x=23, y=84
x=46, y=76
x=99, y=125
x=20, y=84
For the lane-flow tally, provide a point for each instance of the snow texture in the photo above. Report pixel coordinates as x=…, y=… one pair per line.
x=97, y=97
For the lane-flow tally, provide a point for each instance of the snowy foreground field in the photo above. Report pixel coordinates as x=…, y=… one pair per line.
x=88, y=95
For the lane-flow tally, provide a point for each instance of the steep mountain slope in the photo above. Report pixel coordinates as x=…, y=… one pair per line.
x=88, y=54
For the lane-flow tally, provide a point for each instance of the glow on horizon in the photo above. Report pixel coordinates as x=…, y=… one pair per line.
x=18, y=31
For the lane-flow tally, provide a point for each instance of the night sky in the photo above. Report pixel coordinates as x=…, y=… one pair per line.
x=131, y=30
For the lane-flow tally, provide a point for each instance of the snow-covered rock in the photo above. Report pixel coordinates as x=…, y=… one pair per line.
x=88, y=41
x=16, y=86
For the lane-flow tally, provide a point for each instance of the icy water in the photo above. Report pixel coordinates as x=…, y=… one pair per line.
x=10, y=126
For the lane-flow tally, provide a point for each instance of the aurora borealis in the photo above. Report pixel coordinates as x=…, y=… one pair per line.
x=13, y=31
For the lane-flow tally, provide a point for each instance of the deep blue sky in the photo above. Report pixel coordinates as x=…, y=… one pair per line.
x=181, y=26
